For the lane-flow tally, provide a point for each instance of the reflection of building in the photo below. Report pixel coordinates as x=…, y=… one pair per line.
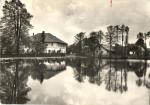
x=53, y=69
x=55, y=66
x=47, y=69
x=54, y=44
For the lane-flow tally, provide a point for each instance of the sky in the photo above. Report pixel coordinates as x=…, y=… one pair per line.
x=66, y=18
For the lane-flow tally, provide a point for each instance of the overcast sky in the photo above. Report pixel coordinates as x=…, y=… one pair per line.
x=66, y=18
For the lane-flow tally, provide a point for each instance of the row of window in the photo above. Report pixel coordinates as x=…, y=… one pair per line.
x=54, y=51
x=56, y=44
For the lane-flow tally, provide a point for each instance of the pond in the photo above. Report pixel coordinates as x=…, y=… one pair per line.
x=75, y=82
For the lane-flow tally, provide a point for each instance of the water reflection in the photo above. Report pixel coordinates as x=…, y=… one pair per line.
x=15, y=74
x=46, y=69
x=113, y=73
x=13, y=88
x=19, y=79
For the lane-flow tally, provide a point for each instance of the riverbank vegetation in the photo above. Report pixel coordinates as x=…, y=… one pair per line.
x=114, y=43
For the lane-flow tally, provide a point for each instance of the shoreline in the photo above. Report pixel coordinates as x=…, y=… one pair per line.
x=70, y=57
x=55, y=57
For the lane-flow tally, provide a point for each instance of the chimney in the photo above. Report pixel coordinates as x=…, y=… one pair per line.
x=43, y=36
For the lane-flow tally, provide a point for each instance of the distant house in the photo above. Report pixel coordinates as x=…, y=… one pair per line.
x=105, y=49
x=53, y=43
x=148, y=43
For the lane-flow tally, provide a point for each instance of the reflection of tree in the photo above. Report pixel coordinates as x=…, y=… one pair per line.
x=140, y=70
x=14, y=76
x=87, y=68
x=38, y=71
x=78, y=70
x=116, y=77
x=13, y=87
x=93, y=71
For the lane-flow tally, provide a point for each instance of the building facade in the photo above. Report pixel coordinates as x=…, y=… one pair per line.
x=53, y=44
x=148, y=43
x=55, y=47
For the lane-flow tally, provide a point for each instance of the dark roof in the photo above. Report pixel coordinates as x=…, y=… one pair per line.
x=49, y=38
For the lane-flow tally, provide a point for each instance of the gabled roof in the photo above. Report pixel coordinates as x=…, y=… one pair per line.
x=49, y=38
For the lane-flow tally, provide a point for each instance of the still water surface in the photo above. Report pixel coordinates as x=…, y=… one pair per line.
x=75, y=82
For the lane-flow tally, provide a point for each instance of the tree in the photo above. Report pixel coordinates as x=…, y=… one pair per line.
x=126, y=40
x=111, y=37
x=121, y=33
x=100, y=36
x=124, y=34
x=38, y=47
x=117, y=32
x=93, y=42
x=140, y=41
x=140, y=44
x=79, y=40
x=15, y=26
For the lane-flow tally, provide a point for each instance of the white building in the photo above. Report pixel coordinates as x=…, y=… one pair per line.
x=148, y=43
x=54, y=44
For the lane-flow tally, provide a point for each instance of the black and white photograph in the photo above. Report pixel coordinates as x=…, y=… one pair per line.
x=75, y=52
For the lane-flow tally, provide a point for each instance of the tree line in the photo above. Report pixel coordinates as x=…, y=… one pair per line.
x=16, y=23
x=115, y=41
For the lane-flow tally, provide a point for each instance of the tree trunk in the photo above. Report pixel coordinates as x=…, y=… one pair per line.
x=126, y=46
x=18, y=31
x=122, y=46
x=145, y=49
